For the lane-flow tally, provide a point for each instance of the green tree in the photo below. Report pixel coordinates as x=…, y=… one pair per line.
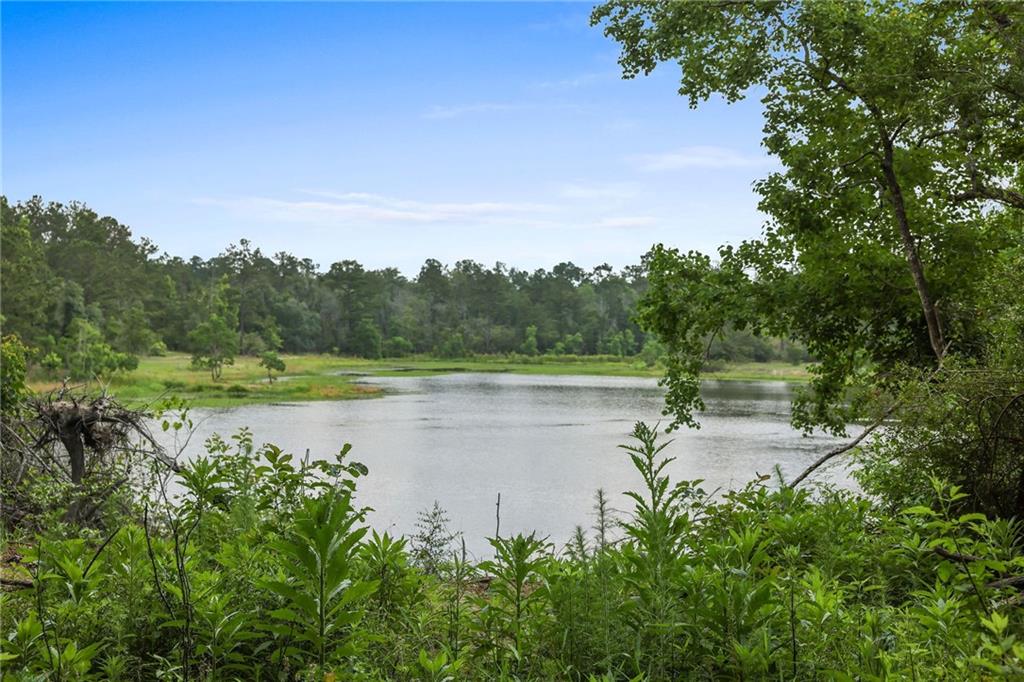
x=529, y=346
x=13, y=364
x=652, y=351
x=214, y=344
x=271, y=362
x=366, y=340
x=87, y=356
x=573, y=343
x=897, y=126
x=51, y=362
x=452, y=345
x=69, y=262
x=252, y=344
x=214, y=341
x=30, y=290
x=133, y=333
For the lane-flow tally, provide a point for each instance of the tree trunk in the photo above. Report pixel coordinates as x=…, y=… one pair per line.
x=70, y=432
x=71, y=438
x=931, y=314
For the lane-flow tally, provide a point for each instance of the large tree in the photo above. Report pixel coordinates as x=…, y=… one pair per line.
x=898, y=125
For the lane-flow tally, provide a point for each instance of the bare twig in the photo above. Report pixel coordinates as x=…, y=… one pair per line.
x=864, y=434
x=831, y=454
x=955, y=556
x=152, y=561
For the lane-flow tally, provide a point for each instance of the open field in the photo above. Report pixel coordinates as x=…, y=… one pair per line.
x=328, y=377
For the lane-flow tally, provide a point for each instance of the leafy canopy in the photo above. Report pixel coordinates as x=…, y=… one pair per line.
x=898, y=127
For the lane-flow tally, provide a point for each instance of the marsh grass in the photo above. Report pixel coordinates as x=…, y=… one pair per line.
x=330, y=377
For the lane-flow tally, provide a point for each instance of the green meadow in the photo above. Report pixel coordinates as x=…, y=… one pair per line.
x=329, y=377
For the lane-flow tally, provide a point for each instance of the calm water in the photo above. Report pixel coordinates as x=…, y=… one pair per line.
x=546, y=443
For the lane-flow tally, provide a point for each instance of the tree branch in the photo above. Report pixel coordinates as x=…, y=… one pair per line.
x=844, y=448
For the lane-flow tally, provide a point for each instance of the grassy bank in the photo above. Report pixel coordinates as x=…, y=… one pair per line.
x=328, y=377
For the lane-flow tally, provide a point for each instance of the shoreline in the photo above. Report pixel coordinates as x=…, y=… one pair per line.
x=326, y=377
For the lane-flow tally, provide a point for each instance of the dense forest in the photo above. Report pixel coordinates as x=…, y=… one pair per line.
x=90, y=298
x=893, y=251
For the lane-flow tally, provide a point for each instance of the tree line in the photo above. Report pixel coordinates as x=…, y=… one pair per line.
x=894, y=249
x=92, y=298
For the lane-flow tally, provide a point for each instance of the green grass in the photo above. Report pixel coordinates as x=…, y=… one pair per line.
x=328, y=377
x=759, y=371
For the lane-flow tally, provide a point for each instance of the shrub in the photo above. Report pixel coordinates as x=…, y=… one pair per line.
x=263, y=568
x=397, y=347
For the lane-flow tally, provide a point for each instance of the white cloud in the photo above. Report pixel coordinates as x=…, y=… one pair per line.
x=429, y=209
x=627, y=221
x=316, y=212
x=373, y=208
x=706, y=157
x=575, y=206
x=579, y=81
x=438, y=112
x=596, y=191
x=442, y=113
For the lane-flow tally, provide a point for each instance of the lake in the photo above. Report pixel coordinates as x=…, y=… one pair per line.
x=546, y=443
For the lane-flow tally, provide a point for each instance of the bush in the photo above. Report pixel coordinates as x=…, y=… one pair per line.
x=263, y=567
x=963, y=424
x=158, y=349
x=453, y=346
x=13, y=365
x=366, y=340
x=397, y=347
x=252, y=344
x=85, y=355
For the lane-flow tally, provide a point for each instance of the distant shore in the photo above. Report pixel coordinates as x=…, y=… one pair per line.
x=329, y=377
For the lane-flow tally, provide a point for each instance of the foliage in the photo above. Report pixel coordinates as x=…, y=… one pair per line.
x=24, y=261
x=964, y=425
x=320, y=611
x=214, y=345
x=13, y=360
x=214, y=341
x=143, y=302
x=453, y=345
x=261, y=568
x=529, y=346
x=431, y=545
x=517, y=606
x=397, y=347
x=271, y=362
x=85, y=355
x=898, y=130
x=892, y=249
x=893, y=254
x=366, y=340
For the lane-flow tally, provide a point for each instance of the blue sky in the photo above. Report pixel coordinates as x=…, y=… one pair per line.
x=387, y=133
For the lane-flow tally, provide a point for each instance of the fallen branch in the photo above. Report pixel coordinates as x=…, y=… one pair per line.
x=15, y=583
x=1015, y=600
x=1016, y=581
x=955, y=556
